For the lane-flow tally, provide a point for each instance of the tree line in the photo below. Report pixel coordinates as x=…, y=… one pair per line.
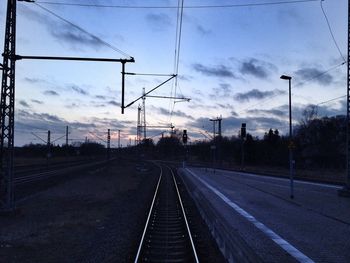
x=317, y=143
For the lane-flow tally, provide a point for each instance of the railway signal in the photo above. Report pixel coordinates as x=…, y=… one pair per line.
x=184, y=137
x=243, y=130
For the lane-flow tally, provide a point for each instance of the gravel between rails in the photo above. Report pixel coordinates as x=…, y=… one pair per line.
x=94, y=216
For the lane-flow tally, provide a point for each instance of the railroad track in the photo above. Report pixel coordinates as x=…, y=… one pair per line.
x=18, y=180
x=166, y=236
x=20, y=170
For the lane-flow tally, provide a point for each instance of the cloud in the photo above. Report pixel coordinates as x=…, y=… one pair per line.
x=257, y=94
x=72, y=106
x=177, y=113
x=223, y=91
x=35, y=80
x=50, y=93
x=185, y=77
x=79, y=90
x=24, y=104
x=26, y=116
x=257, y=68
x=37, y=101
x=203, y=31
x=75, y=38
x=273, y=112
x=305, y=74
x=218, y=71
x=225, y=106
x=100, y=97
x=114, y=103
x=159, y=21
x=29, y=121
x=62, y=32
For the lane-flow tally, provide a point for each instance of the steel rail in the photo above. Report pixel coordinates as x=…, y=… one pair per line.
x=149, y=216
x=184, y=214
x=177, y=196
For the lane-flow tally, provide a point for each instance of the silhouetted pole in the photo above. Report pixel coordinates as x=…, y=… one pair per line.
x=243, y=136
x=67, y=136
x=291, y=144
x=48, y=154
x=213, y=147
x=144, y=114
x=108, y=144
x=118, y=138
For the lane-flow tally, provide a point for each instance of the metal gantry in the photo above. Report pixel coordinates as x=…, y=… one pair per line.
x=7, y=101
x=7, y=109
x=348, y=107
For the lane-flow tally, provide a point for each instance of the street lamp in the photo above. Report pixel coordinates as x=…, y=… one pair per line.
x=285, y=77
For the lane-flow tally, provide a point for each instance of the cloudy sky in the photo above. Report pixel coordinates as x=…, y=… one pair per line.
x=232, y=55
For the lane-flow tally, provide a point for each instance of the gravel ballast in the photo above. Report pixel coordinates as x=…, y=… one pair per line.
x=95, y=216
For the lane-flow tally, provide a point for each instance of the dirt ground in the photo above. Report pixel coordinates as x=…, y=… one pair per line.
x=95, y=216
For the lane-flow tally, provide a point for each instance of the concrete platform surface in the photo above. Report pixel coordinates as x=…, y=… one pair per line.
x=254, y=214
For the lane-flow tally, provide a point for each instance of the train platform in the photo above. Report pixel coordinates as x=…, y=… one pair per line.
x=253, y=218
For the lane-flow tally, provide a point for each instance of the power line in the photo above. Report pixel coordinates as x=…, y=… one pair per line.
x=84, y=31
x=330, y=100
x=331, y=31
x=320, y=74
x=98, y=137
x=175, y=7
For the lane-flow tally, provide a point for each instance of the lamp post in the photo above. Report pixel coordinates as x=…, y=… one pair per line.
x=285, y=77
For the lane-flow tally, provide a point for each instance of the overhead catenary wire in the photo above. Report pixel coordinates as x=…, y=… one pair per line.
x=98, y=137
x=331, y=31
x=175, y=54
x=180, y=12
x=83, y=30
x=175, y=7
x=331, y=100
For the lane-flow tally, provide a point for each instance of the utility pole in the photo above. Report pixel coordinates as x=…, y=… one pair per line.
x=66, y=136
x=213, y=147
x=243, y=137
x=215, y=144
x=144, y=114
x=118, y=138
x=139, y=125
x=108, y=144
x=48, y=153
